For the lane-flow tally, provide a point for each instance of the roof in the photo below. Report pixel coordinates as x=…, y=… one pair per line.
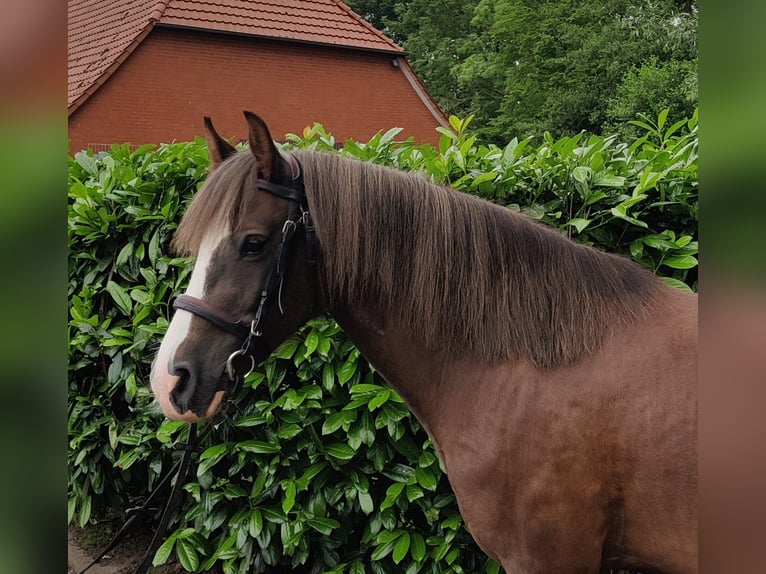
x=98, y=33
x=101, y=35
x=315, y=21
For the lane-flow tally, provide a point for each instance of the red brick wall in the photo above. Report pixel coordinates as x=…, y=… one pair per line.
x=175, y=77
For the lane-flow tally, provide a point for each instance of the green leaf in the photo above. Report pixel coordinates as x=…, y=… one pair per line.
x=608, y=180
x=392, y=495
x=683, y=241
x=340, y=451
x=680, y=262
x=259, y=484
x=348, y=369
x=662, y=118
x=163, y=552
x=414, y=492
x=401, y=547
x=257, y=447
x=187, y=555
x=582, y=174
x=623, y=215
x=379, y=399
x=365, y=389
x=389, y=136
x=83, y=515
x=456, y=123
x=86, y=162
x=287, y=349
x=154, y=248
x=328, y=377
x=337, y=420
x=255, y=523
x=426, y=478
x=417, y=547
x=382, y=551
x=289, y=431
x=399, y=473
x=323, y=525
x=387, y=536
x=289, y=500
x=312, y=341
x=579, y=224
x=365, y=502
x=659, y=242
x=124, y=254
x=453, y=522
x=140, y=296
x=120, y=297
x=273, y=514
x=71, y=507
x=214, y=452
x=365, y=430
x=303, y=482
x=675, y=283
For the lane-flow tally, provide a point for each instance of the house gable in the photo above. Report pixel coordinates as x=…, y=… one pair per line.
x=165, y=65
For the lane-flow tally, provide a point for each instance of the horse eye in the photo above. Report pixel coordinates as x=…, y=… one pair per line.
x=252, y=245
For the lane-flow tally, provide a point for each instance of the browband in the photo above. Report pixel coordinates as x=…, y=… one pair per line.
x=294, y=192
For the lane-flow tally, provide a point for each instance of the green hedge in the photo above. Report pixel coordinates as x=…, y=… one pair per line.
x=318, y=465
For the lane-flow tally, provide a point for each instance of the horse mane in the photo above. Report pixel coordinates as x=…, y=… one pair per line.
x=471, y=277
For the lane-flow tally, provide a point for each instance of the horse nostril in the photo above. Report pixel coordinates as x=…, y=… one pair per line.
x=182, y=394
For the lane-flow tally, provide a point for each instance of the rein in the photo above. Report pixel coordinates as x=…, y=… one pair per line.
x=237, y=365
x=179, y=471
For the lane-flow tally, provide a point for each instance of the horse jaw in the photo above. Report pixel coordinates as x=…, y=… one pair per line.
x=162, y=381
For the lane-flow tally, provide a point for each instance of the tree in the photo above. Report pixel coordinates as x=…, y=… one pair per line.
x=438, y=36
x=528, y=66
x=379, y=13
x=648, y=90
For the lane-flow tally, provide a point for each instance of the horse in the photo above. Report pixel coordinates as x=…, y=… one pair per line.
x=556, y=381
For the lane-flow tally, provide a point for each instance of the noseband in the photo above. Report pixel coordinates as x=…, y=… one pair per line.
x=248, y=331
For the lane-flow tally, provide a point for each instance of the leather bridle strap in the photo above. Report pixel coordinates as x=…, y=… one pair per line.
x=179, y=471
x=239, y=329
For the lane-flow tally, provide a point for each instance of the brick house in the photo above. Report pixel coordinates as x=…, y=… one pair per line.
x=147, y=71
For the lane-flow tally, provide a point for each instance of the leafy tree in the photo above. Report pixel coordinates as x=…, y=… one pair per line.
x=438, y=36
x=648, y=90
x=379, y=13
x=529, y=66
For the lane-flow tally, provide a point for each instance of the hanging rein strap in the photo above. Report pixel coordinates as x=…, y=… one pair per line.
x=179, y=471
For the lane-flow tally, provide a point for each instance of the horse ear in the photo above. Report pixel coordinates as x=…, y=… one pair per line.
x=262, y=146
x=218, y=148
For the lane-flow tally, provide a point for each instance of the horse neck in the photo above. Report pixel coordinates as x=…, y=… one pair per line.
x=423, y=377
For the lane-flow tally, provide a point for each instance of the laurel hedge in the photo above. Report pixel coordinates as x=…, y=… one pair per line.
x=317, y=466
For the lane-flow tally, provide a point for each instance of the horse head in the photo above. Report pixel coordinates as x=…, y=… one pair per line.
x=253, y=282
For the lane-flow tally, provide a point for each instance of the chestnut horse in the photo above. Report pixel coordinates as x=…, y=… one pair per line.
x=558, y=382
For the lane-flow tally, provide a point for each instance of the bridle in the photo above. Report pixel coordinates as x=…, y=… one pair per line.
x=237, y=365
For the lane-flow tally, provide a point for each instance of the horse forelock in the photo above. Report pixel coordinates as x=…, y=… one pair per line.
x=472, y=278
x=217, y=204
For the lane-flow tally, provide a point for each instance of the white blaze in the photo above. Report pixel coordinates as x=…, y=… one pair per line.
x=162, y=381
